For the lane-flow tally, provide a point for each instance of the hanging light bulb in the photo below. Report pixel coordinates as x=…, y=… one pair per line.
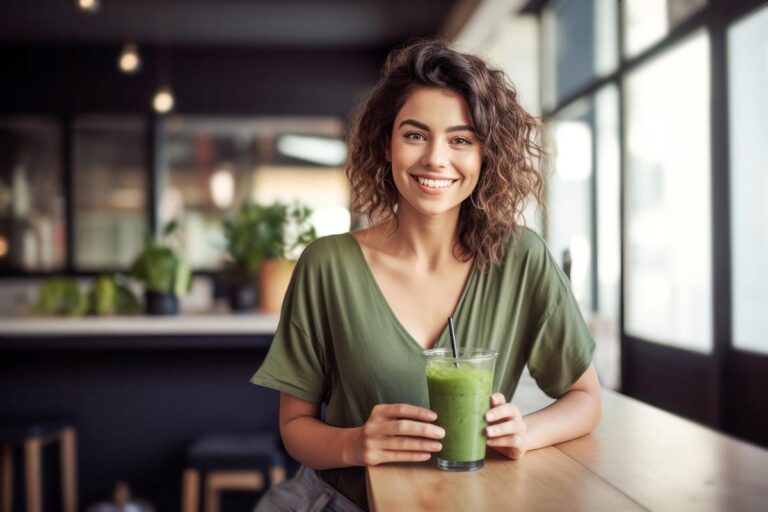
x=88, y=5
x=163, y=101
x=129, y=61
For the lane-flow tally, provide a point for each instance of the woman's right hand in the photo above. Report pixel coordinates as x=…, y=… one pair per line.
x=397, y=433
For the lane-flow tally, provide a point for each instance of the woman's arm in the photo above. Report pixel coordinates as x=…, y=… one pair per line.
x=393, y=433
x=573, y=415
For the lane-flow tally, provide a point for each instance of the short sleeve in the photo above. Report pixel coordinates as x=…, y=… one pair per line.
x=295, y=363
x=563, y=349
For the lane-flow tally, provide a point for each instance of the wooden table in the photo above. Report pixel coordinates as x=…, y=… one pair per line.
x=639, y=458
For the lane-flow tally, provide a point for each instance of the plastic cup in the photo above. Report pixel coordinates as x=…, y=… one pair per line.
x=460, y=393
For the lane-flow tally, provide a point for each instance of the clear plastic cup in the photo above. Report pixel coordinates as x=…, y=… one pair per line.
x=460, y=393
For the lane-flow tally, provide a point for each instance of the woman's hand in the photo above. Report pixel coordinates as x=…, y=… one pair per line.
x=506, y=431
x=397, y=433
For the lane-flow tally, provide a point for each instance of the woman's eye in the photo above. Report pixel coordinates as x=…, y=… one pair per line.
x=414, y=136
x=461, y=140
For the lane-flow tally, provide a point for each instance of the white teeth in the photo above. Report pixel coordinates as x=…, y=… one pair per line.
x=434, y=183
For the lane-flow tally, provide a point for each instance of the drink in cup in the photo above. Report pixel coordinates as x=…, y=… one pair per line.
x=460, y=394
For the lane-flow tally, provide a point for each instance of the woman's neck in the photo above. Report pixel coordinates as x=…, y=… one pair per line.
x=427, y=239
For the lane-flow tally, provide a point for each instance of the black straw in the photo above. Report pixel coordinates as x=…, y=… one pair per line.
x=452, y=332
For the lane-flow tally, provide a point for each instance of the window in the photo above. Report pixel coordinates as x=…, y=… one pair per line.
x=110, y=184
x=32, y=233
x=569, y=193
x=580, y=43
x=648, y=21
x=668, y=292
x=748, y=107
x=210, y=166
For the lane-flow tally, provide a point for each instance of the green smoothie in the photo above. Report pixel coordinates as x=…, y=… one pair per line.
x=460, y=396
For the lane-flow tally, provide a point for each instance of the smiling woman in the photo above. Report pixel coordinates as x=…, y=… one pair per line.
x=442, y=160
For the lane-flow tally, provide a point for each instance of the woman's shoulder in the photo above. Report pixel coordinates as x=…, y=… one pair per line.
x=328, y=250
x=526, y=242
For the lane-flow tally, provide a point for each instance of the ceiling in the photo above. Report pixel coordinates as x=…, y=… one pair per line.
x=269, y=23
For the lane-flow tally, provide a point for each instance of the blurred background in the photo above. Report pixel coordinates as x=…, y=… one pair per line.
x=118, y=118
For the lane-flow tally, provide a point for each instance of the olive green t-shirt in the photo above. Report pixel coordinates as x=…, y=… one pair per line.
x=339, y=342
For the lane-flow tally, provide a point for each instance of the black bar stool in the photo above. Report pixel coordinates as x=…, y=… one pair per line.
x=230, y=462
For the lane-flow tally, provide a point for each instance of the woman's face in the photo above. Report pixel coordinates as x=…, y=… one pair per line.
x=435, y=154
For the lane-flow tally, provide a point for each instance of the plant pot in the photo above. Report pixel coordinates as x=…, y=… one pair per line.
x=274, y=277
x=242, y=296
x=156, y=303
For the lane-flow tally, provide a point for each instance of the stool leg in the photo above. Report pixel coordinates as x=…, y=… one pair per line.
x=190, y=497
x=7, y=485
x=68, y=451
x=34, y=483
x=276, y=475
x=211, y=494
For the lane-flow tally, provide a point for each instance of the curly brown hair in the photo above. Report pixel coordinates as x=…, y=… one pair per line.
x=510, y=171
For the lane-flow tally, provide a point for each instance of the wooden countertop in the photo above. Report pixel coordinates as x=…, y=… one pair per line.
x=639, y=458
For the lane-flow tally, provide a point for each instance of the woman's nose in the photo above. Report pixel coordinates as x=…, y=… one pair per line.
x=436, y=155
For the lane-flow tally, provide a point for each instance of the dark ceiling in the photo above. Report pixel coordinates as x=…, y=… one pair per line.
x=271, y=23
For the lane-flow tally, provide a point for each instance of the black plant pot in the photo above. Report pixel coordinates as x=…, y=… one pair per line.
x=243, y=297
x=161, y=303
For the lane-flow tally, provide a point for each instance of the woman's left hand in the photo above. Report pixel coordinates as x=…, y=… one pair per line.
x=506, y=431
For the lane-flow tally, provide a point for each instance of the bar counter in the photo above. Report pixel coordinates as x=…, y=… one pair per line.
x=639, y=458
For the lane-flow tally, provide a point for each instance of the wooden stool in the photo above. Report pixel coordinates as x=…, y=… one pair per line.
x=229, y=463
x=32, y=436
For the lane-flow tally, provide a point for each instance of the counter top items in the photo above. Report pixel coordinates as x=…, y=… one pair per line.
x=260, y=241
x=639, y=458
x=165, y=275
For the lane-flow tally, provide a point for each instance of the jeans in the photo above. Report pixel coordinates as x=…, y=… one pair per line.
x=305, y=492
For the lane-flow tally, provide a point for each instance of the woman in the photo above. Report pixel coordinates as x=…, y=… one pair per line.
x=442, y=160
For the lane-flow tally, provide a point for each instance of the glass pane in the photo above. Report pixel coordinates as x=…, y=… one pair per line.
x=210, y=166
x=605, y=324
x=648, y=21
x=110, y=191
x=569, y=195
x=32, y=235
x=580, y=43
x=668, y=288
x=748, y=66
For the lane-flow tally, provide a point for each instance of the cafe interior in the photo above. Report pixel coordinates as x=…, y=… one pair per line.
x=144, y=142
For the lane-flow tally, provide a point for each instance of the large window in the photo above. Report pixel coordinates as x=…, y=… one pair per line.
x=569, y=192
x=580, y=43
x=110, y=191
x=211, y=165
x=648, y=21
x=32, y=236
x=748, y=107
x=668, y=283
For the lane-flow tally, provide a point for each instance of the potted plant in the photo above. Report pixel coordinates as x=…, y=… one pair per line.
x=165, y=275
x=260, y=241
x=110, y=296
x=60, y=295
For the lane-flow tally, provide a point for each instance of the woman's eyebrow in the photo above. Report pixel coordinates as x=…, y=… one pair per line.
x=422, y=126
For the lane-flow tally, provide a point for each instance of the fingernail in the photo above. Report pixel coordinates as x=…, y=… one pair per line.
x=491, y=431
x=490, y=416
x=440, y=432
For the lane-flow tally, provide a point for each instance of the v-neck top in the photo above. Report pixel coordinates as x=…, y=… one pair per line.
x=339, y=342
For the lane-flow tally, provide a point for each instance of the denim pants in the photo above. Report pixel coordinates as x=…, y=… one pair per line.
x=305, y=492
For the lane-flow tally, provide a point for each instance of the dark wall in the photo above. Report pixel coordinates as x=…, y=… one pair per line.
x=209, y=80
x=135, y=411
